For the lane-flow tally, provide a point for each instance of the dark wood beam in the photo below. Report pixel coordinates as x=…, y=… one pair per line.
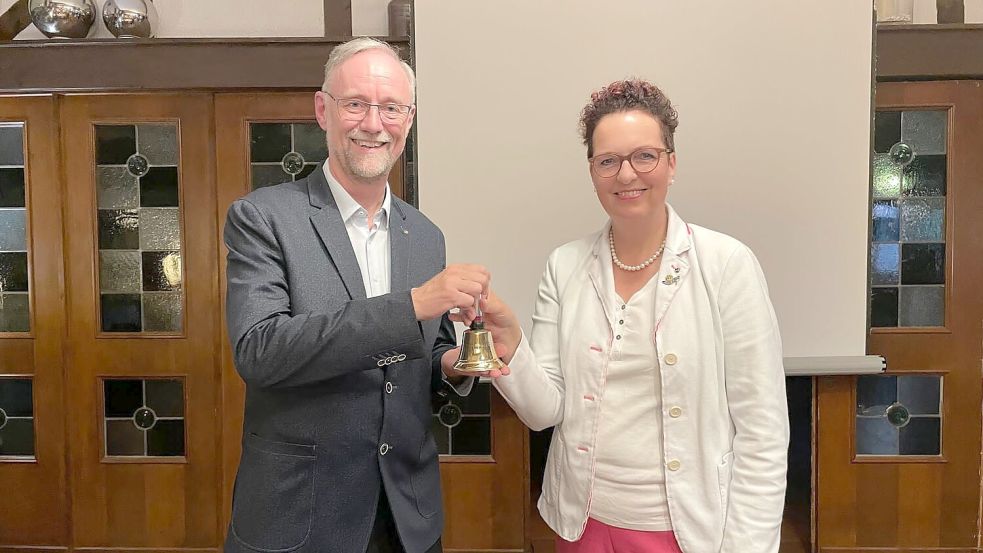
x=110, y=65
x=338, y=18
x=929, y=52
x=14, y=20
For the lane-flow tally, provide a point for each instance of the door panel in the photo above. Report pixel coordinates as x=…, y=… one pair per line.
x=32, y=324
x=899, y=454
x=140, y=255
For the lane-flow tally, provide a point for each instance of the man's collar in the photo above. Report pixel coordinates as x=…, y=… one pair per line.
x=347, y=206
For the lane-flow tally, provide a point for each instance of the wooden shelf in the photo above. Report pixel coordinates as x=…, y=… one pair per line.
x=113, y=65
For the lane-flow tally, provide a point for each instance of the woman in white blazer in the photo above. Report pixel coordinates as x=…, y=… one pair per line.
x=655, y=353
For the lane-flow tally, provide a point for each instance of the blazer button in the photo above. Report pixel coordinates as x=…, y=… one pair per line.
x=675, y=412
x=671, y=359
x=383, y=449
x=389, y=387
x=674, y=465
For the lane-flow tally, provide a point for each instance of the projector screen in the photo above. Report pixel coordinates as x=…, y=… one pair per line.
x=773, y=145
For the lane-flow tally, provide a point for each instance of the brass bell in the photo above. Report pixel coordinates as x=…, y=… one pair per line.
x=478, y=354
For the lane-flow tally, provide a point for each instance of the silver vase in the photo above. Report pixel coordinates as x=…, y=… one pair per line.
x=130, y=18
x=63, y=18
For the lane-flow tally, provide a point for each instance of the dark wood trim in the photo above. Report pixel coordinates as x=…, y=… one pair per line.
x=338, y=18
x=110, y=65
x=929, y=52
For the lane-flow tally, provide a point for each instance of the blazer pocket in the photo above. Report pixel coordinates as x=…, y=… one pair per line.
x=724, y=469
x=426, y=479
x=273, y=500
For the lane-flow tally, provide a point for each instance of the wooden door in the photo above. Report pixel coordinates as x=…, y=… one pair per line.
x=264, y=139
x=32, y=326
x=142, y=370
x=899, y=454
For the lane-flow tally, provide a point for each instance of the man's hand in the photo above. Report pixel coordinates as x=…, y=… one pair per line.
x=457, y=286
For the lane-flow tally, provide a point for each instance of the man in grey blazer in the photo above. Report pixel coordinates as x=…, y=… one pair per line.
x=337, y=312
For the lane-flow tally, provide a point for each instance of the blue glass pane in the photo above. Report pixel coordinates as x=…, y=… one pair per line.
x=876, y=436
x=922, y=395
x=887, y=221
x=875, y=394
x=885, y=263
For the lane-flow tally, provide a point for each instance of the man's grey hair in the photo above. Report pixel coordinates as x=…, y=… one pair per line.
x=343, y=52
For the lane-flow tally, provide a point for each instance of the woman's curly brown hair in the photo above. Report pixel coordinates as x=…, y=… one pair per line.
x=628, y=95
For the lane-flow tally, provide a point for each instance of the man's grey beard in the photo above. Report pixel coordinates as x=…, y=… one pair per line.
x=368, y=167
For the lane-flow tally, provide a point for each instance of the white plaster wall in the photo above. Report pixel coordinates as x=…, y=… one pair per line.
x=371, y=17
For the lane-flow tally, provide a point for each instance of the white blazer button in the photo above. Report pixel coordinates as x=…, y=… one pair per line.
x=674, y=465
x=675, y=412
x=671, y=359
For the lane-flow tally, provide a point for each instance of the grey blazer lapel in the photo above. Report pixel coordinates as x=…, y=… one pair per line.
x=331, y=229
x=399, y=248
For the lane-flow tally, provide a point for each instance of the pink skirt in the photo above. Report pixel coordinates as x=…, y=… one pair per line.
x=602, y=538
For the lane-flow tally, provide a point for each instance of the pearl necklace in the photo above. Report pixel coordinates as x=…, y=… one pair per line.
x=622, y=266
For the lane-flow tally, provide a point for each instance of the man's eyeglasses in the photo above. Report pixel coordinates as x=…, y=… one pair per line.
x=357, y=109
x=643, y=160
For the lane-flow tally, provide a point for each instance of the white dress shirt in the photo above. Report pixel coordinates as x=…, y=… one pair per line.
x=370, y=239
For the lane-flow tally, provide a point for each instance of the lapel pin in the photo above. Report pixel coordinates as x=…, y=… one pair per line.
x=675, y=269
x=670, y=280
